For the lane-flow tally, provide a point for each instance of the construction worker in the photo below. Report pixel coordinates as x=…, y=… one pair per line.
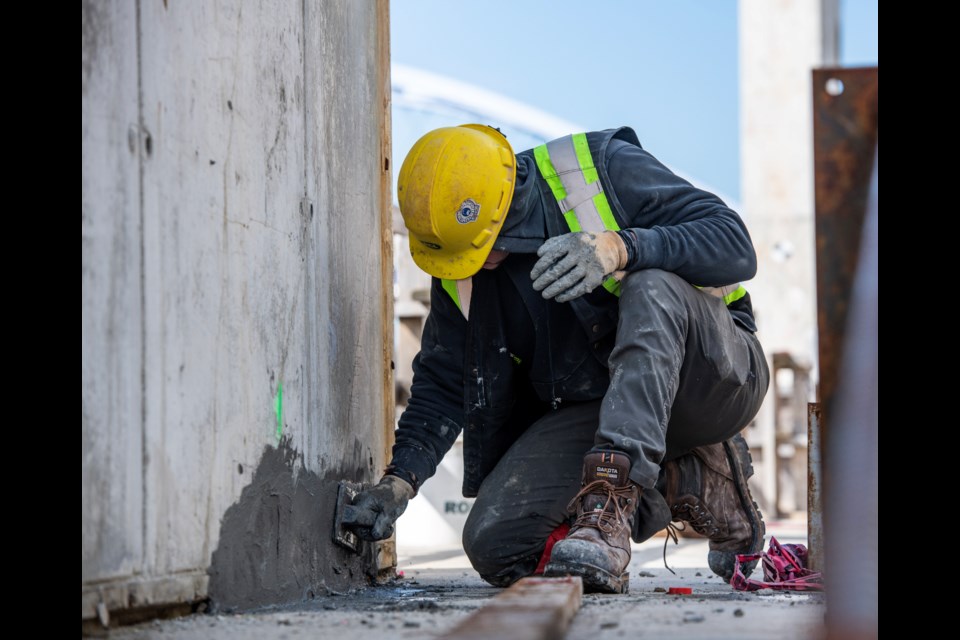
x=589, y=337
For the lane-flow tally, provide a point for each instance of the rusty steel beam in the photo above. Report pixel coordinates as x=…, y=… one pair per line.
x=845, y=103
x=845, y=125
x=814, y=488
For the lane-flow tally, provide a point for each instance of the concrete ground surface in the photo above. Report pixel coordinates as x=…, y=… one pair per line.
x=439, y=588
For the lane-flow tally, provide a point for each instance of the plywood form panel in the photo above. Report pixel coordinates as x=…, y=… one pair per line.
x=110, y=301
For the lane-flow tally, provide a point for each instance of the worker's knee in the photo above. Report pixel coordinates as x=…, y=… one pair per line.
x=654, y=295
x=482, y=542
x=495, y=548
x=652, y=284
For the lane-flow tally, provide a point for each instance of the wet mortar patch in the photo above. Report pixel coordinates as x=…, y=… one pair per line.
x=276, y=543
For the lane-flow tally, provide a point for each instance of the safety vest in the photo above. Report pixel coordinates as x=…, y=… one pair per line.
x=567, y=166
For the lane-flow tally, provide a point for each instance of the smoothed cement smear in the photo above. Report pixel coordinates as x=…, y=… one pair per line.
x=275, y=541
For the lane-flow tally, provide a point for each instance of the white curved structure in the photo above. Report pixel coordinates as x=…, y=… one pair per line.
x=423, y=101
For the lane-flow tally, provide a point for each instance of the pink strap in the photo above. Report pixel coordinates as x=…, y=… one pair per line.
x=784, y=569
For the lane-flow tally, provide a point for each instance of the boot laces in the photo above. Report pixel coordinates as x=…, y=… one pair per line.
x=672, y=531
x=699, y=518
x=601, y=518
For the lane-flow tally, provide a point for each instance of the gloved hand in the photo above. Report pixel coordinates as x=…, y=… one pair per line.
x=374, y=511
x=577, y=263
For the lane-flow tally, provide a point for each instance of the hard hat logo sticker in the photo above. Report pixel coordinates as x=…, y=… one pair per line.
x=468, y=211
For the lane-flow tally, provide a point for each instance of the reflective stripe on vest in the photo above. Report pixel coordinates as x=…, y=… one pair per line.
x=460, y=291
x=730, y=293
x=567, y=166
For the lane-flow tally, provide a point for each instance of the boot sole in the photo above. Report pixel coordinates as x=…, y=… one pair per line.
x=595, y=579
x=741, y=462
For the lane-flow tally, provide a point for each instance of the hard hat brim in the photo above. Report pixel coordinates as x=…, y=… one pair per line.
x=452, y=266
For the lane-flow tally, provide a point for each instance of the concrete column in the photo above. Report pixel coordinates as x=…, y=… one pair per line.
x=236, y=328
x=780, y=43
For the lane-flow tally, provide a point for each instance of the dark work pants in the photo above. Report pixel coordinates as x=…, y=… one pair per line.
x=682, y=375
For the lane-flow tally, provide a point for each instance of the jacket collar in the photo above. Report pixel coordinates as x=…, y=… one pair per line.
x=524, y=229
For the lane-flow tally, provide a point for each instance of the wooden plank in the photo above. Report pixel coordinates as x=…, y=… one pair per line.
x=532, y=609
x=343, y=87
x=387, y=555
x=110, y=300
x=143, y=592
x=221, y=87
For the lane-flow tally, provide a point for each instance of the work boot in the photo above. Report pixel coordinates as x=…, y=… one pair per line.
x=707, y=488
x=598, y=546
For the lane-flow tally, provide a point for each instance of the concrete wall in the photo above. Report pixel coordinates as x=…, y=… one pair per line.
x=236, y=334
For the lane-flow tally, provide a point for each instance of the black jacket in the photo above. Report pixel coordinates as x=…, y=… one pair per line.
x=520, y=355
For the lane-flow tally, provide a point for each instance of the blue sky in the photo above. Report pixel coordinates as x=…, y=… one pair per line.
x=666, y=68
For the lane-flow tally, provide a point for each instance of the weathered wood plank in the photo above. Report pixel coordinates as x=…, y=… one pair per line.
x=222, y=101
x=532, y=609
x=345, y=128
x=110, y=301
x=387, y=556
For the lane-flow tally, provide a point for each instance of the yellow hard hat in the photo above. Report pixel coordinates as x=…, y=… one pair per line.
x=455, y=187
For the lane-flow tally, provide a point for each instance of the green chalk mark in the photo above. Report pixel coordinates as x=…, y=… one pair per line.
x=278, y=406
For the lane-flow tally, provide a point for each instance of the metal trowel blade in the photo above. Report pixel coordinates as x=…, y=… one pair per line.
x=346, y=492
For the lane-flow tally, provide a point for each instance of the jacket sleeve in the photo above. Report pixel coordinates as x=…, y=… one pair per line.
x=675, y=226
x=435, y=413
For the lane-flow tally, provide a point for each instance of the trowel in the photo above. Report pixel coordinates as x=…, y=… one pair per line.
x=346, y=492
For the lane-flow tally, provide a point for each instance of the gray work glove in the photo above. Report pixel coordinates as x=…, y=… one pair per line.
x=577, y=263
x=373, y=512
